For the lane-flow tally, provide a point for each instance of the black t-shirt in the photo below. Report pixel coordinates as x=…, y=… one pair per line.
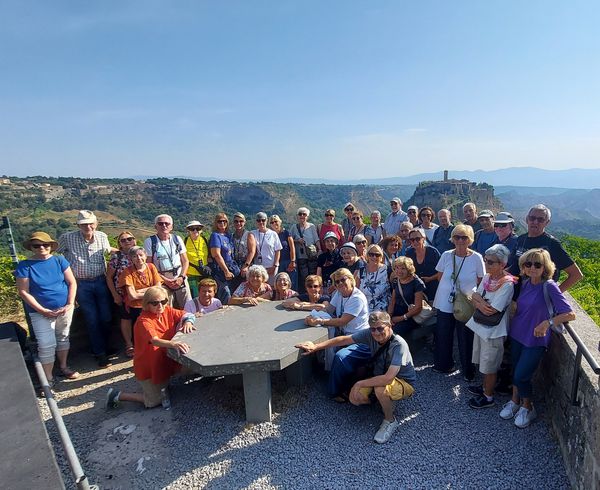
x=427, y=268
x=329, y=262
x=304, y=297
x=546, y=241
x=408, y=290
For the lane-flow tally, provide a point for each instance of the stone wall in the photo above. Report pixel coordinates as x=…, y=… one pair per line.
x=577, y=428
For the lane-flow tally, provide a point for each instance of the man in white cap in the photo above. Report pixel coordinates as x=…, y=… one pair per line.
x=196, y=247
x=504, y=227
x=168, y=253
x=347, y=221
x=395, y=218
x=84, y=249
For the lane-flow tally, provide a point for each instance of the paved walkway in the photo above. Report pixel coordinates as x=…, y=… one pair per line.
x=203, y=441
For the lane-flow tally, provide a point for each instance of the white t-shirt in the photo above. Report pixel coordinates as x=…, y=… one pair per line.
x=191, y=306
x=267, y=244
x=499, y=300
x=472, y=268
x=357, y=306
x=166, y=257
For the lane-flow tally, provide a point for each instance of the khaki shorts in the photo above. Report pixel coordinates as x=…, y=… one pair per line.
x=151, y=391
x=488, y=354
x=398, y=389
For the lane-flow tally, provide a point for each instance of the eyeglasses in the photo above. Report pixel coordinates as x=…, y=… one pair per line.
x=426, y=215
x=40, y=245
x=415, y=239
x=329, y=215
x=377, y=329
x=301, y=214
x=261, y=220
x=537, y=265
x=349, y=210
x=374, y=254
x=313, y=286
x=195, y=228
x=156, y=303
x=127, y=239
x=163, y=223
x=500, y=225
x=460, y=237
x=221, y=221
x=539, y=219
x=393, y=203
x=356, y=218
x=491, y=262
x=340, y=281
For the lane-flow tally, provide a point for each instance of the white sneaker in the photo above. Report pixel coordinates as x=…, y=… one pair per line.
x=509, y=410
x=524, y=417
x=386, y=429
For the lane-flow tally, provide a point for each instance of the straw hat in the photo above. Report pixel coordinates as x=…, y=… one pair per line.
x=43, y=237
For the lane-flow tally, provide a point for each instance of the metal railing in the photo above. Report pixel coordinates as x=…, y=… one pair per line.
x=81, y=479
x=582, y=351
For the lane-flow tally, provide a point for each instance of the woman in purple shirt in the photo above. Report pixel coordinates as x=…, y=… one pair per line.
x=530, y=329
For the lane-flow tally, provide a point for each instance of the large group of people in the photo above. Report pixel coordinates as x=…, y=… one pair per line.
x=371, y=285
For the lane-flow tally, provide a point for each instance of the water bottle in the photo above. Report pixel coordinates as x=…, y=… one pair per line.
x=165, y=400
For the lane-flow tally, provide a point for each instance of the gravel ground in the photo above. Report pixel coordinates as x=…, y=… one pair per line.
x=312, y=442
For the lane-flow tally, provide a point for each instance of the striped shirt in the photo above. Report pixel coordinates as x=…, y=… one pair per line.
x=86, y=258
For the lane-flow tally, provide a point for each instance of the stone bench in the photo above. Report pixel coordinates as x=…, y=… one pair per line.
x=251, y=341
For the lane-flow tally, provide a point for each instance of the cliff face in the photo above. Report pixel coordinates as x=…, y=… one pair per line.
x=453, y=194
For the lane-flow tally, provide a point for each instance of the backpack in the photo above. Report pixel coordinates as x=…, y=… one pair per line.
x=154, y=241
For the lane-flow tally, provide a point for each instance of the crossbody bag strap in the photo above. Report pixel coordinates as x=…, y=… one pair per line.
x=402, y=293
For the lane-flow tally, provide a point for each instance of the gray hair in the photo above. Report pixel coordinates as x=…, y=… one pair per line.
x=158, y=218
x=303, y=210
x=258, y=270
x=378, y=213
x=469, y=205
x=445, y=211
x=380, y=317
x=541, y=207
x=499, y=251
x=406, y=224
x=419, y=230
x=134, y=250
x=285, y=275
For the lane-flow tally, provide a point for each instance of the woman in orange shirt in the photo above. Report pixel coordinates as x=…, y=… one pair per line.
x=154, y=331
x=134, y=281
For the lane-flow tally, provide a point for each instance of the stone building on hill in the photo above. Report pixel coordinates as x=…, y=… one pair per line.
x=452, y=194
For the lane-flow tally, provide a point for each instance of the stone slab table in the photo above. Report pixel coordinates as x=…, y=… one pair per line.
x=251, y=341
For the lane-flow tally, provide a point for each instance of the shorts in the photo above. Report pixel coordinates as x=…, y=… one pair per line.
x=124, y=313
x=151, y=391
x=398, y=389
x=488, y=354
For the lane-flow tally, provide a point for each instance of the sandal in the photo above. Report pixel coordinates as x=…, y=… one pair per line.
x=68, y=373
x=129, y=351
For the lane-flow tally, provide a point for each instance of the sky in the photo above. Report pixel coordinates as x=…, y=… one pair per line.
x=262, y=90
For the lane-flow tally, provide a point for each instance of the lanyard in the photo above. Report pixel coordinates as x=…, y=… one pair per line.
x=454, y=273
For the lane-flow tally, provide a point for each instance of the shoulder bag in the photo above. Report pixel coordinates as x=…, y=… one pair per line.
x=426, y=310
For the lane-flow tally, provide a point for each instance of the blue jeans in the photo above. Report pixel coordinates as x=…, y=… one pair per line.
x=96, y=302
x=444, y=344
x=345, y=364
x=525, y=361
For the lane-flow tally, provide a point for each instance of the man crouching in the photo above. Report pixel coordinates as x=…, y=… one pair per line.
x=393, y=373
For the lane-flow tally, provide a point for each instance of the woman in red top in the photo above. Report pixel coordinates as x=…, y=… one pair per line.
x=154, y=331
x=330, y=225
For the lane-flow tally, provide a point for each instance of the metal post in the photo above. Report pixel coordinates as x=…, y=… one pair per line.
x=575, y=383
x=80, y=477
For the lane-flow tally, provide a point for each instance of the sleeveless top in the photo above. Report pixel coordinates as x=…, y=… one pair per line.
x=240, y=247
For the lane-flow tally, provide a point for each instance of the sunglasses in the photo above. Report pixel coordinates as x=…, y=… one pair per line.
x=461, y=237
x=301, y=214
x=348, y=210
x=537, y=265
x=374, y=254
x=426, y=215
x=261, y=220
x=330, y=215
x=539, y=219
x=40, y=245
x=164, y=223
x=340, y=281
x=490, y=262
x=411, y=211
x=221, y=221
x=377, y=329
x=500, y=225
x=195, y=228
x=415, y=239
x=127, y=239
x=238, y=221
x=355, y=218
x=362, y=242
x=156, y=303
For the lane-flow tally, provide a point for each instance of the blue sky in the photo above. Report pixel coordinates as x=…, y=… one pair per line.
x=273, y=89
